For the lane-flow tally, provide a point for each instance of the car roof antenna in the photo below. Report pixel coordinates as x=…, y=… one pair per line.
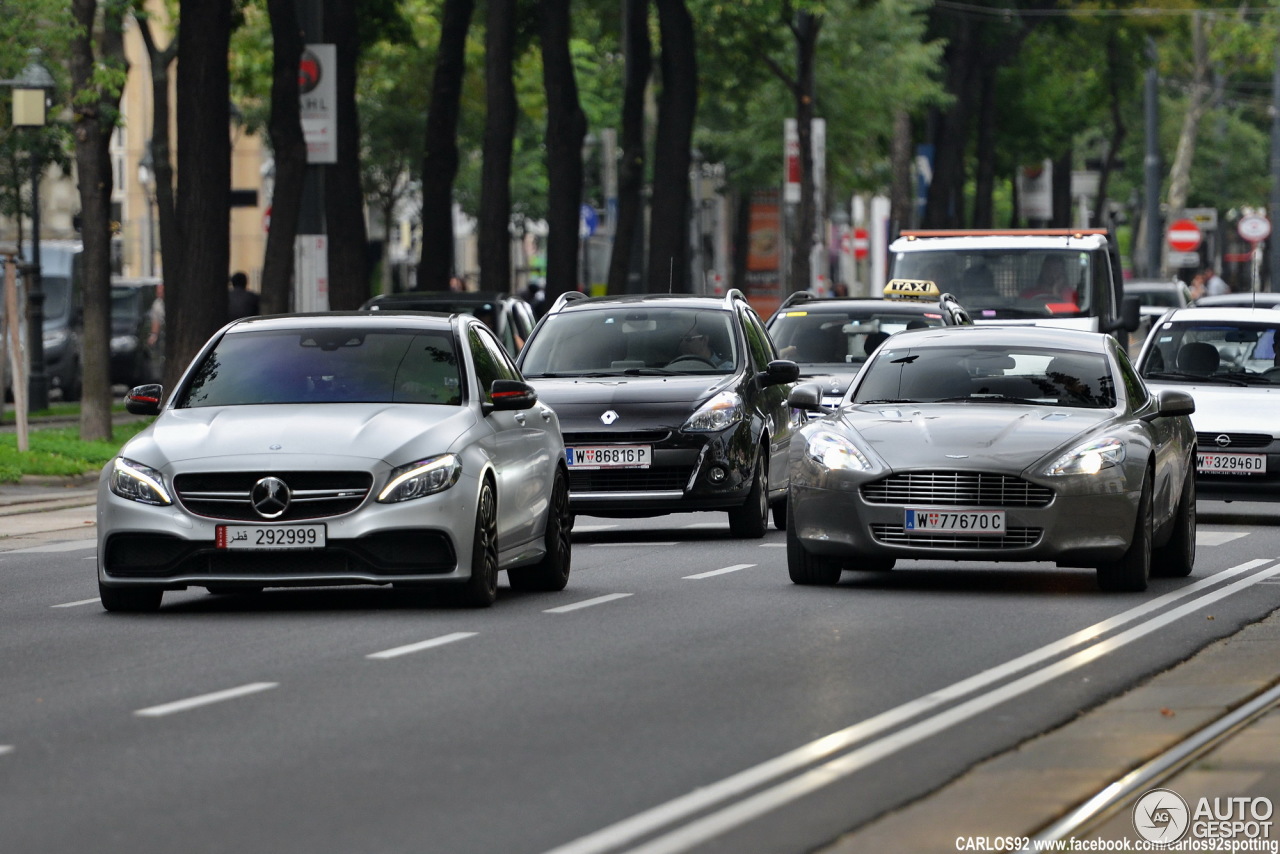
x=671, y=274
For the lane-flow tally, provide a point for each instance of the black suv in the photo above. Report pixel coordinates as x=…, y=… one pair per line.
x=831, y=337
x=511, y=318
x=668, y=404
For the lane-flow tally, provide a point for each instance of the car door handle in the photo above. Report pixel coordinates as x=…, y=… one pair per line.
x=546, y=415
x=520, y=418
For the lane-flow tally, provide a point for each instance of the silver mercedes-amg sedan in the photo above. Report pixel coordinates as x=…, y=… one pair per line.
x=995, y=443
x=337, y=449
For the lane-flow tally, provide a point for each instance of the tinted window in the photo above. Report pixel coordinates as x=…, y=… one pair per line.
x=491, y=361
x=924, y=374
x=842, y=337
x=621, y=339
x=327, y=366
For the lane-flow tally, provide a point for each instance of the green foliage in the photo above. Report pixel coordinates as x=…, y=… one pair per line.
x=60, y=451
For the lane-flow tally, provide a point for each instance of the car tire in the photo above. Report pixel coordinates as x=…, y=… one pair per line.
x=130, y=599
x=806, y=568
x=1177, y=557
x=552, y=572
x=1130, y=573
x=481, y=589
x=750, y=520
x=779, y=511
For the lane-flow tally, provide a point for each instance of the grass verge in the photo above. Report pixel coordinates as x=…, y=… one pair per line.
x=60, y=451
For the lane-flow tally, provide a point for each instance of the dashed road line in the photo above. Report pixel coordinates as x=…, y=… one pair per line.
x=587, y=603
x=204, y=700
x=394, y=652
x=734, y=568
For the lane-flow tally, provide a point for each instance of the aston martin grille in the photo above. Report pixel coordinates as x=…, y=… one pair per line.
x=966, y=489
x=313, y=495
x=896, y=535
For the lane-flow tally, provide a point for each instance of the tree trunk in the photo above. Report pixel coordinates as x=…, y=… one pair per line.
x=1197, y=104
x=499, y=133
x=805, y=30
x=162, y=168
x=984, y=184
x=440, y=165
x=197, y=291
x=290, y=151
x=566, y=128
x=93, y=125
x=344, y=206
x=668, y=266
x=630, y=225
x=901, y=195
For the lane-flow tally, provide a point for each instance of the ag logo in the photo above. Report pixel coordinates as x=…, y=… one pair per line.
x=1161, y=815
x=609, y=417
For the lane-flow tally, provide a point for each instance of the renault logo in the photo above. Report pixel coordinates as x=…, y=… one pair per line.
x=1223, y=440
x=270, y=497
x=609, y=417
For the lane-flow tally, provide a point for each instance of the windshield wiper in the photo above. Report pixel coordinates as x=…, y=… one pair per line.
x=997, y=398
x=1183, y=375
x=650, y=372
x=887, y=400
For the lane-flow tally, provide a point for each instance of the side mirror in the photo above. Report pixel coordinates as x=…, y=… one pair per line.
x=144, y=400
x=779, y=371
x=510, y=395
x=806, y=396
x=1173, y=401
x=1130, y=313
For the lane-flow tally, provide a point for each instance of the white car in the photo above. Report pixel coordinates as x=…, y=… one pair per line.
x=334, y=449
x=1226, y=358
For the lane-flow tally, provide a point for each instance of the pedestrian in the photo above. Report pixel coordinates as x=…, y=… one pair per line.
x=241, y=302
x=456, y=285
x=155, y=339
x=1214, y=284
x=840, y=290
x=1197, y=289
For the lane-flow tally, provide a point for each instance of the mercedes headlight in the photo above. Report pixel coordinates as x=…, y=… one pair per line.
x=136, y=482
x=425, y=477
x=836, y=453
x=723, y=410
x=1089, y=458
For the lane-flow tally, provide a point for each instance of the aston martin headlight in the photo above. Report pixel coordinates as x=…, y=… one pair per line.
x=836, y=453
x=136, y=482
x=723, y=410
x=425, y=477
x=1089, y=458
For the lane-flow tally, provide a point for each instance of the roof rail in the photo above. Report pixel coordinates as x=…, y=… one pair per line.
x=733, y=294
x=797, y=296
x=565, y=298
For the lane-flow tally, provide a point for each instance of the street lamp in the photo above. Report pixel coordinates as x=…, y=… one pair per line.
x=147, y=181
x=31, y=91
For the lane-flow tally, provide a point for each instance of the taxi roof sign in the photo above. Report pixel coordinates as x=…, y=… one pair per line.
x=916, y=289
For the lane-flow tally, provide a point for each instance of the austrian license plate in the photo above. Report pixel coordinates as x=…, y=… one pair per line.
x=1218, y=463
x=609, y=457
x=988, y=522
x=269, y=537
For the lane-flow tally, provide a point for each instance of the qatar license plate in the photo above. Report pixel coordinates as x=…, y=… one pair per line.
x=1218, y=463
x=269, y=537
x=988, y=522
x=609, y=457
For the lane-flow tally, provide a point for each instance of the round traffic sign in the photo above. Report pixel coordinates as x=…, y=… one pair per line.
x=860, y=243
x=1254, y=228
x=1184, y=236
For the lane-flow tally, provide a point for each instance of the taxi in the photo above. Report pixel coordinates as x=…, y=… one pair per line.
x=831, y=337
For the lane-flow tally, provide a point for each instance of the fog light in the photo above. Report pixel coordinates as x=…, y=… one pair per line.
x=717, y=474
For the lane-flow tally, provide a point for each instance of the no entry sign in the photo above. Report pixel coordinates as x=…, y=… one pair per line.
x=1184, y=236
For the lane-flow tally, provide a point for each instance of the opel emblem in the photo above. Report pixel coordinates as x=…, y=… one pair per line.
x=270, y=497
x=1223, y=440
x=609, y=417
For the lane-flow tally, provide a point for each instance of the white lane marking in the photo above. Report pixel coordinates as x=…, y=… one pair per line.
x=630, y=545
x=707, y=796
x=692, y=526
x=773, y=545
x=66, y=546
x=579, y=529
x=204, y=700
x=1217, y=538
x=734, y=568
x=92, y=601
x=746, y=810
x=421, y=645
x=6, y=748
x=586, y=603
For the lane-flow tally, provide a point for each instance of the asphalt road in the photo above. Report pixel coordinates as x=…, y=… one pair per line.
x=680, y=695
